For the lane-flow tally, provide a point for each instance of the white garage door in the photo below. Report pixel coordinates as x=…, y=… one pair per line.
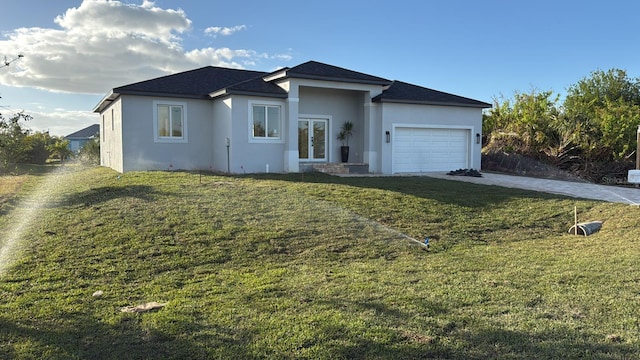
x=427, y=149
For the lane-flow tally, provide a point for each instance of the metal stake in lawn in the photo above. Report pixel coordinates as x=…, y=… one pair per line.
x=575, y=220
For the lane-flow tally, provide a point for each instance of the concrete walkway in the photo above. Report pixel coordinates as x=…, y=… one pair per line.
x=582, y=190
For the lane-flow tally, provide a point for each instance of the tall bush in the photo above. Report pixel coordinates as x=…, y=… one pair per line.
x=13, y=147
x=89, y=153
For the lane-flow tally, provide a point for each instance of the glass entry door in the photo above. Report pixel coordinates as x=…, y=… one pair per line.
x=312, y=139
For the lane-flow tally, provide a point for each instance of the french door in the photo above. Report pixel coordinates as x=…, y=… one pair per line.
x=312, y=139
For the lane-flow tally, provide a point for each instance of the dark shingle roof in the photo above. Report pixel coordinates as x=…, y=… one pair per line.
x=196, y=83
x=86, y=133
x=211, y=81
x=318, y=71
x=402, y=92
x=257, y=87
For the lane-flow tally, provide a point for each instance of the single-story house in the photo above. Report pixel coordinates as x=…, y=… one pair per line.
x=80, y=137
x=242, y=121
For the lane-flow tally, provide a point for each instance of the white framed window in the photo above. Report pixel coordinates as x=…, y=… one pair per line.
x=265, y=121
x=170, y=121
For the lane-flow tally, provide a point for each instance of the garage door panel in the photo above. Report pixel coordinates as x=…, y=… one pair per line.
x=439, y=144
x=457, y=157
x=429, y=149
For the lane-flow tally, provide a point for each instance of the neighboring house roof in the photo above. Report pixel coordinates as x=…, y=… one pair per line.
x=314, y=70
x=86, y=133
x=402, y=92
x=211, y=82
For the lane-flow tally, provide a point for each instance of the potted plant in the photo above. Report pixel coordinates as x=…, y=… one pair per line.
x=346, y=131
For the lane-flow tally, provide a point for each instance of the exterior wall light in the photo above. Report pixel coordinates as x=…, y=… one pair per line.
x=478, y=138
x=388, y=136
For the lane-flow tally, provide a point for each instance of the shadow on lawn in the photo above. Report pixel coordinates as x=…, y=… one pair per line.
x=89, y=338
x=102, y=194
x=445, y=191
x=494, y=344
x=460, y=338
x=556, y=343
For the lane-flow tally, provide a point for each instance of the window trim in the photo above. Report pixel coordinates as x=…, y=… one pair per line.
x=170, y=139
x=266, y=104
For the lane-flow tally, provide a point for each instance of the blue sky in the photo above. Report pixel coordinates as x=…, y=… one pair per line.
x=75, y=51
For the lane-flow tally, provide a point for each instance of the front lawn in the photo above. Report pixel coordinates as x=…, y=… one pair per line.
x=310, y=266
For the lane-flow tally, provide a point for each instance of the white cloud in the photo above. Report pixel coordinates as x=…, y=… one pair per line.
x=285, y=57
x=60, y=122
x=224, y=31
x=102, y=44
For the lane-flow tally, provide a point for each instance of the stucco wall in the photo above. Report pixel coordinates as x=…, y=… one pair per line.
x=392, y=115
x=340, y=106
x=221, y=131
x=142, y=152
x=250, y=156
x=132, y=145
x=111, y=136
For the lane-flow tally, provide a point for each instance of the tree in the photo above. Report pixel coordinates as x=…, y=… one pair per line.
x=593, y=92
x=13, y=147
x=38, y=143
x=89, y=153
x=529, y=121
x=618, y=121
x=60, y=149
x=592, y=133
x=601, y=111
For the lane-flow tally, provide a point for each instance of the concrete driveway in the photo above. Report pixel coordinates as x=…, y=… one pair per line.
x=581, y=190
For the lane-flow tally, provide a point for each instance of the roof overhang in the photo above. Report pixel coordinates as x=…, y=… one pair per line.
x=106, y=101
x=228, y=92
x=161, y=94
x=285, y=74
x=113, y=95
x=339, y=79
x=278, y=74
x=435, y=103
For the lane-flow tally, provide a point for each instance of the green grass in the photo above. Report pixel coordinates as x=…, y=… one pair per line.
x=311, y=266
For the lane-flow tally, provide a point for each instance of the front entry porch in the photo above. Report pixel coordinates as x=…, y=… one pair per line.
x=335, y=168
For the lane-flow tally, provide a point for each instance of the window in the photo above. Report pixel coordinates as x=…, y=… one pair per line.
x=113, y=119
x=266, y=121
x=170, y=122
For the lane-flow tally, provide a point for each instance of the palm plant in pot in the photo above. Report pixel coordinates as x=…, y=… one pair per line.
x=346, y=131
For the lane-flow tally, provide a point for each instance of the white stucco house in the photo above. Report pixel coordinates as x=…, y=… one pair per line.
x=242, y=121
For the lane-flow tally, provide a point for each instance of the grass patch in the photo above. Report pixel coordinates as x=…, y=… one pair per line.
x=312, y=266
x=9, y=186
